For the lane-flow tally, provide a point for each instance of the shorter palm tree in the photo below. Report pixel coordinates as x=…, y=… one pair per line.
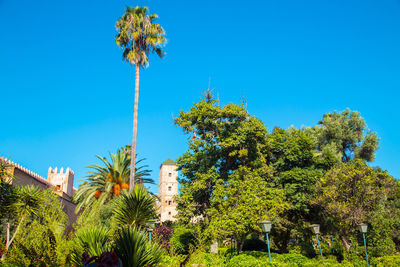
x=134, y=248
x=108, y=180
x=28, y=201
x=136, y=208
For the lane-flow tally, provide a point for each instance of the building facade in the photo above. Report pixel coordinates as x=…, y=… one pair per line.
x=167, y=190
x=62, y=183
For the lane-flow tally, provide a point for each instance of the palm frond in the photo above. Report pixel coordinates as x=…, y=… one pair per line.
x=136, y=208
x=134, y=249
x=138, y=35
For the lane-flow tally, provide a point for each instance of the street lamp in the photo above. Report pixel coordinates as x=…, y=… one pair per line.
x=315, y=229
x=231, y=246
x=266, y=227
x=363, y=229
x=150, y=229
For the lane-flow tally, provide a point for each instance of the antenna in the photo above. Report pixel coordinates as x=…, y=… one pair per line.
x=208, y=92
x=244, y=101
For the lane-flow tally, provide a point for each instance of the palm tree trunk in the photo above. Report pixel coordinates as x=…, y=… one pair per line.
x=135, y=119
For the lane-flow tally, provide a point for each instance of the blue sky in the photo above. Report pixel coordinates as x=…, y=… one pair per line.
x=67, y=96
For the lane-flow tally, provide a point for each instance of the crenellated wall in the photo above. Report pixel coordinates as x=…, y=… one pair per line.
x=61, y=182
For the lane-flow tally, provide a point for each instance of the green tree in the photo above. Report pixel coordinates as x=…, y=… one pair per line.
x=341, y=137
x=241, y=204
x=106, y=181
x=292, y=155
x=138, y=35
x=351, y=194
x=224, y=138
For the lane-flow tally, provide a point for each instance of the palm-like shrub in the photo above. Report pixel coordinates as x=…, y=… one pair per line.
x=27, y=202
x=92, y=241
x=136, y=208
x=109, y=180
x=134, y=248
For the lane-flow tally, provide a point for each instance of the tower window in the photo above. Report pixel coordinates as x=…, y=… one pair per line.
x=169, y=174
x=169, y=202
x=169, y=188
x=169, y=213
x=165, y=201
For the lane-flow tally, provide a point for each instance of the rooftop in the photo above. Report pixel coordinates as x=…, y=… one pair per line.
x=169, y=162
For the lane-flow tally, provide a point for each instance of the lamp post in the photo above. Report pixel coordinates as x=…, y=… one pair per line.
x=266, y=227
x=363, y=229
x=315, y=229
x=231, y=246
x=150, y=229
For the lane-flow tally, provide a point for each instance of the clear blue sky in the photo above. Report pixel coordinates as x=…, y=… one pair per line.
x=67, y=96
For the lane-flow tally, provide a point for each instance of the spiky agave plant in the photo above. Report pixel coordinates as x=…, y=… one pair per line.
x=134, y=248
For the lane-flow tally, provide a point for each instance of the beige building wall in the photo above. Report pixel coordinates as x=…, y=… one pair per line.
x=61, y=182
x=167, y=190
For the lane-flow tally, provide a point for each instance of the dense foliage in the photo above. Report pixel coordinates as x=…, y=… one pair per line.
x=236, y=174
x=32, y=224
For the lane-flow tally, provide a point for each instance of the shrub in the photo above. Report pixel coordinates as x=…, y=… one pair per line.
x=245, y=260
x=181, y=240
x=386, y=261
x=134, y=249
x=206, y=259
x=162, y=235
x=294, y=258
x=171, y=261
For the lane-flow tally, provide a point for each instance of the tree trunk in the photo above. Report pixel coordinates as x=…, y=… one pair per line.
x=9, y=241
x=135, y=122
x=346, y=243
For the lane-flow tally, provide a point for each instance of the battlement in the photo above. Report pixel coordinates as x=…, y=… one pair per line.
x=67, y=171
x=63, y=181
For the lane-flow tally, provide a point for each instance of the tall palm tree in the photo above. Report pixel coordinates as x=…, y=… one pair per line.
x=138, y=35
x=106, y=181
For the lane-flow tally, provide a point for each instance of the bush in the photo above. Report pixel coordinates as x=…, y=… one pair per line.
x=386, y=261
x=162, y=235
x=203, y=258
x=297, y=259
x=171, y=261
x=181, y=240
x=245, y=260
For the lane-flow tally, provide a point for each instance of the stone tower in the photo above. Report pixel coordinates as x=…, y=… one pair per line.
x=167, y=190
x=62, y=181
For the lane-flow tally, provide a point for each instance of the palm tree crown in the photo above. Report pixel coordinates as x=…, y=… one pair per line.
x=106, y=181
x=138, y=35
